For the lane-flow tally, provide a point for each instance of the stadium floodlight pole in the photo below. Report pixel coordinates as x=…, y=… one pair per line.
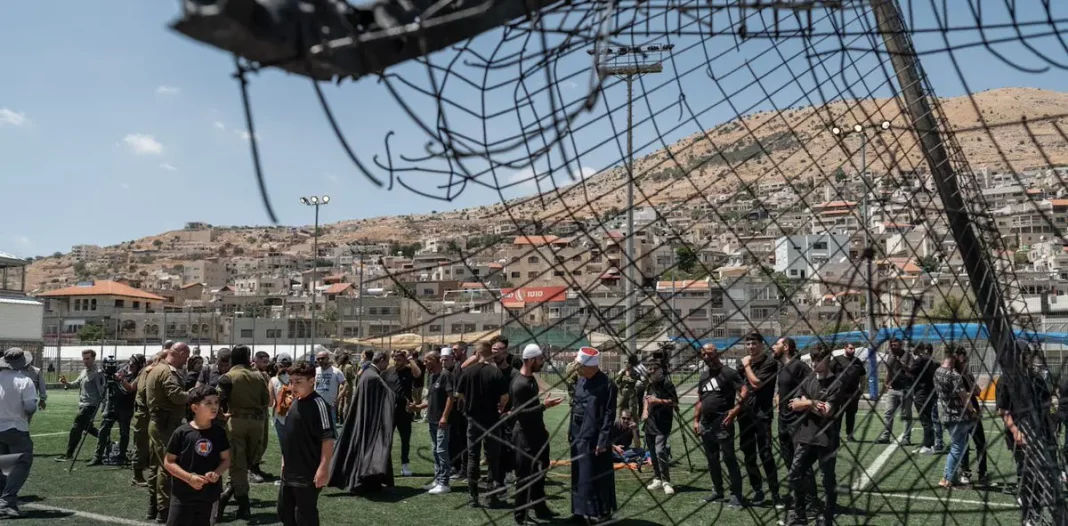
x=869, y=253
x=316, y=202
x=627, y=63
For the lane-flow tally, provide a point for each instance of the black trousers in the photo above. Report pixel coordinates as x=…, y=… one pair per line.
x=402, y=422
x=786, y=451
x=298, y=506
x=531, y=467
x=479, y=436
x=83, y=423
x=924, y=403
x=458, y=442
x=979, y=438
x=191, y=513
x=802, y=480
x=504, y=433
x=755, y=441
x=719, y=442
x=850, y=414
x=123, y=417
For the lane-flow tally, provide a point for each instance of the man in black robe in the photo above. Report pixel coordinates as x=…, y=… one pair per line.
x=593, y=416
x=362, y=459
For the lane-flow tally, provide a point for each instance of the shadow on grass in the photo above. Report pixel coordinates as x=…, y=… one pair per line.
x=386, y=495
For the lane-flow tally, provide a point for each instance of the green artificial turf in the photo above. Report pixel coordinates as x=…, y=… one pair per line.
x=902, y=491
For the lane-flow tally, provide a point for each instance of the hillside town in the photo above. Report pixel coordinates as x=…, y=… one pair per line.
x=777, y=257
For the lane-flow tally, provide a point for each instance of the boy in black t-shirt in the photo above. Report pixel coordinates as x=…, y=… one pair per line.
x=197, y=455
x=307, y=450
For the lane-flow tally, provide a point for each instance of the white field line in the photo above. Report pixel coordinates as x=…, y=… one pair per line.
x=92, y=516
x=866, y=474
x=50, y=434
x=876, y=495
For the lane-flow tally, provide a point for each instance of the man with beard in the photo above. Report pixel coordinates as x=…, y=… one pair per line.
x=504, y=362
x=658, y=410
x=458, y=424
x=166, y=399
x=210, y=375
x=754, y=412
x=898, y=393
x=854, y=377
x=120, y=410
x=363, y=457
x=922, y=371
x=530, y=437
x=593, y=417
x=816, y=438
x=716, y=392
x=400, y=379
x=792, y=372
x=483, y=393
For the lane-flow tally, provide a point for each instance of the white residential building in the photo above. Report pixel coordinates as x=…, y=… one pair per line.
x=800, y=257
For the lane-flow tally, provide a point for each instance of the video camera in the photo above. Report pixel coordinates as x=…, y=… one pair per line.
x=110, y=366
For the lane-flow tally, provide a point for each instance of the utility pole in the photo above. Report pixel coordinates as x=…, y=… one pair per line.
x=315, y=201
x=869, y=252
x=1042, y=464
x=359, y=302
x=627, y=63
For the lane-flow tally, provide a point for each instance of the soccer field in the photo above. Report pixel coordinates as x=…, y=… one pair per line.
x=889, y=485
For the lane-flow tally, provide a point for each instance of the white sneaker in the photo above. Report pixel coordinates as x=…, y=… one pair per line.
x=439, y=490
x=405, y=472
x=429, y=486
x=965, y=480
x=655, y=484
x=668, y=490
x=924, y=451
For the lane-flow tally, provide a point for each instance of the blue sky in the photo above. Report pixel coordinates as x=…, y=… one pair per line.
x=114, y=127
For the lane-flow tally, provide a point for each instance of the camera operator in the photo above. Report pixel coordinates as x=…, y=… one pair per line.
x=91, y=382
x=118, y=407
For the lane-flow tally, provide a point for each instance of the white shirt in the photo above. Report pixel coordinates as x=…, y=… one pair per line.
x=327, y=383
x=17, y=395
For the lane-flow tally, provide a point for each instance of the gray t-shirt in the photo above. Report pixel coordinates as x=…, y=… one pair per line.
x=18, y=400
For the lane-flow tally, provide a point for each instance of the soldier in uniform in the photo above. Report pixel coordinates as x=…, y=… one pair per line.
x=627, y=382
x=571, y=376
x=255, y=471
x=140, y=430
x=245, y=396
x=166, y=400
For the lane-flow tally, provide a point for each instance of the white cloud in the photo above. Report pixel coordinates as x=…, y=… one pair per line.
x=168, y=90
x=143, y=144
x=245, y=135
x=12, y=117
x=124, y=186
x=582, y=173
x=169, y=167
x=219, y=125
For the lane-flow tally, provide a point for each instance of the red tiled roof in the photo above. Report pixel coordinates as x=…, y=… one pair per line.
x=1059, y=202
x=337, y=288
x=537, y=240
x=101, y=288
x=191, y=285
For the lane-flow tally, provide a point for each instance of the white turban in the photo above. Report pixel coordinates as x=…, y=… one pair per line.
x=532, y=350
x=588, y=356
x=446, y=351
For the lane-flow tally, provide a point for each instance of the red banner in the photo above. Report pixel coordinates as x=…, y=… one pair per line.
x=534, y=295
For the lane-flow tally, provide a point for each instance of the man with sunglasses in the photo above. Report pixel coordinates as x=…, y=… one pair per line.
x=328, y=381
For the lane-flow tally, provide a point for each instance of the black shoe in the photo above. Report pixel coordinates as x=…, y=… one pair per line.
x=494, y=502
x=520, y=519
x=777, y=502
x=96, y=462
x=851, y=438
x=474, y=502
x=758, y=498
x=715, y=496
x=544, y=513
x=244, y=508
x=161, y=518
x=224, y=499
x=151, y=515
x=882, y=440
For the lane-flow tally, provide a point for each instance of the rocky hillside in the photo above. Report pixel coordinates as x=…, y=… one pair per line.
x=794, y=144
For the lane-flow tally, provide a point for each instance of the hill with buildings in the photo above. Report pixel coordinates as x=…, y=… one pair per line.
x=765, y=148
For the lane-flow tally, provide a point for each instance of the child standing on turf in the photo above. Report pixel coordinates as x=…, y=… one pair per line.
x=306, y=451
x=197, y=455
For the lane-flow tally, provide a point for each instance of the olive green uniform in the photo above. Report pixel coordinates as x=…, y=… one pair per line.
x=166, y=400
x=627, y=382
x=266, y=421
x=140, y=429
x=246, y=397
x=571, y=376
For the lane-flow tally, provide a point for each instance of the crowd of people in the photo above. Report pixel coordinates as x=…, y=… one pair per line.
x=200, y=429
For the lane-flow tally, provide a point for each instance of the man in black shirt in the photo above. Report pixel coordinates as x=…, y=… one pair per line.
x=401, y=379
x=419, y=382
x=922, y=371
x=530, y=437
x=792, y=372
x=307, y=450
x=851, y=370
x=198, y=453
x=458, y=421
x=439, y=403
x=661, y=398
x=754, y=412
x=816, y=439
x=210, y=375
x=716, y=391
x=898, y=394
x=483, y=393
x=503, y=359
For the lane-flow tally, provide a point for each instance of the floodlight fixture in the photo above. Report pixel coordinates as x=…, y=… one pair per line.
x=836, y=130
x=858, y=128
x=885, y=125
